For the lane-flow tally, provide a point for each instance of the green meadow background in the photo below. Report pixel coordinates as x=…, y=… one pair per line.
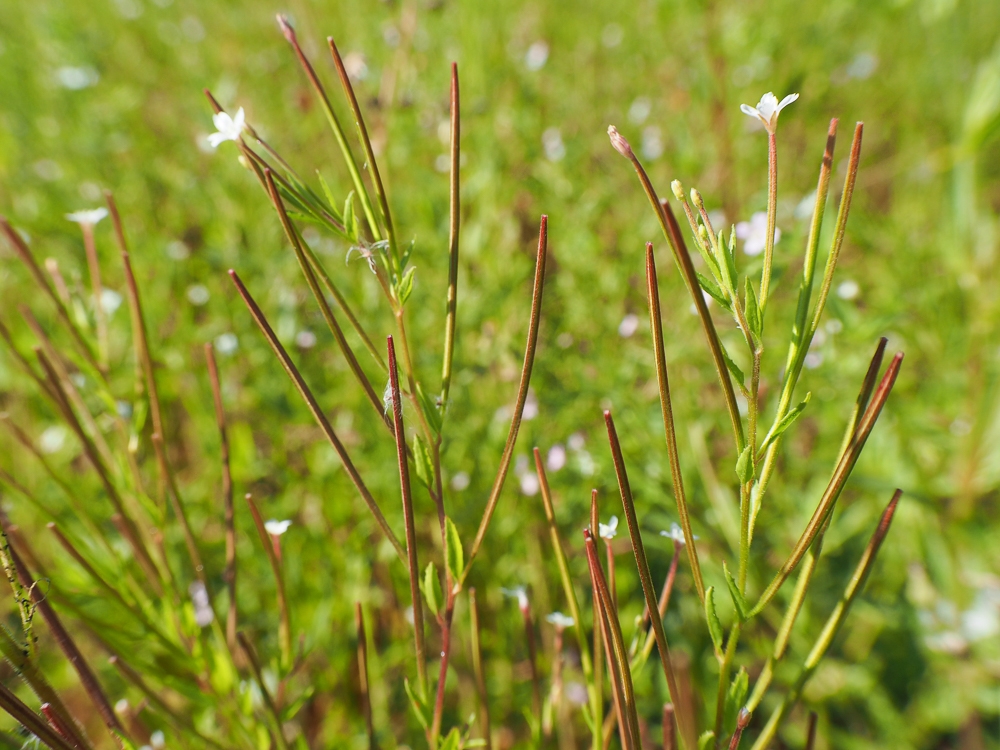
x=108, y=95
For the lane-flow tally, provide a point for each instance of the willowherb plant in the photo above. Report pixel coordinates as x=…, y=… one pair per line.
x=205, y=683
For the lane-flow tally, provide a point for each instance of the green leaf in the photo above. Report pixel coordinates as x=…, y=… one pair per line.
x=707, y=740
x=350, y=219
x=405, y=259
x=431, y=409
x=734, y=368
x=737, y=596
x=451, y=742
x=430, y=585
x=729, y=268
x=418, y=707
x=422, y=461
x=744, y=466
x=786, y=421
x=714, y=626
x=714, y=291
x=331, y=202
x=735, y=698
x=453, y=553
x=754, y=319
x=405, y=285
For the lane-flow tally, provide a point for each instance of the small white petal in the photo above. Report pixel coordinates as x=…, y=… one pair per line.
x=560, y=620
x=748, y=110
x=767, y=106
x=787, y=100
x=88, y=217
x=276, y=528
x=608, y=530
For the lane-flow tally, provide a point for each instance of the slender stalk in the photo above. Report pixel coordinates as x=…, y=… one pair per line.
x=536, y=686
x=836, y=485
x=802, y=336
x=411, y=534
x=522, y=395
x=366, y=144
x=284, y=621
x=94, y=267
x=617, y=654
x=659, y=356
x=69, y=648
x=628, y=504
x=128, y=527
x=454, y=219
x=328, y=316
x=229, y=576
x=672, y=232
x=725, y=666
x=597, y=700
x=338, y=131
x=22, y=250
x=59, y=725
x=668, y=587
x=569, y=591
x=178, y=507
x=669, y=727
x=317, y=413
x=832, y=626
x=741, y=723
x=272, y=709
x=24, y=363
x=477, y=670
x=366, y=705
x=772, y=211
x=20, y=712
x=811, y=731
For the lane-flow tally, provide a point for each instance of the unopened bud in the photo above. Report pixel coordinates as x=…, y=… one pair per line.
x=703, y=232
x=696, y=198
x=678, y=189
x=286, y=28
x=243, y=161
x=743, y=719
x=619, y=142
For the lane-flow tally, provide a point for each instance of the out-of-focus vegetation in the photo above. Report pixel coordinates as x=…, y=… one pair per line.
x=108, y=95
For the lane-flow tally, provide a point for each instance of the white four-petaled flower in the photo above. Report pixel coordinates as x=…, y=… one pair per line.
x=229, y=128
x=90, y=217
x=676, y=533
x=277, y=528
x=608, y=530
x=519, y=593
x=560, y=620
x=767, y=109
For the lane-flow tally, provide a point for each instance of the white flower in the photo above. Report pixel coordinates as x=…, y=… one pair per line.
x=676, y=533
x=277, y=528
x=519, y=593
x=754, y=233
x=628, y=326
x=608, y=530
x=229, y=128
x=556, y=458
x=560, y=620
x=203, y=614
x=90, y=217
x=767, y=109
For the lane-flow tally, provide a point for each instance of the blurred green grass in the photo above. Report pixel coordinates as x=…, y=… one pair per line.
x=109, y=95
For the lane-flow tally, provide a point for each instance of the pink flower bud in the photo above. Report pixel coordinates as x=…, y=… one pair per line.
x=619, y=142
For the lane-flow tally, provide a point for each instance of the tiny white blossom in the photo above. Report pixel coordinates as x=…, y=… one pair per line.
x=519, y=593
x=676, y=533
x=560, y=620
x=608, y=530
x=768, y=108
x=277, y=528
x=90, y=217
x=229, y=128
x=203, y=614
x=754, y=233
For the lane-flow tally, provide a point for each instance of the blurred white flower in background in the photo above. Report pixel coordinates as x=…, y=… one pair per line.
x=228, y=128
x=277, y=528
x=537, y=55
x=754, y=233
x=560, y=620
x=90, y=217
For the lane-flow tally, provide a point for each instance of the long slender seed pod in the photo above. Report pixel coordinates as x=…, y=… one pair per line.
x=811, y=731
x=20, y=712
x=675, y=238
x=366, y=144
x=178, y=506
x=331, y=320
x=227, y=496
x=22, y=250
x=597, y=700
x=272, y=709
x=522, y=395
x=628, y=504
x=832, y=626
x=659, y=356
x=668, y=587
x=836, y=485
x=317, y=413
x=284, y=622
x=617, y=653
x=669, y=727
x=411, y=534
x=454, y=220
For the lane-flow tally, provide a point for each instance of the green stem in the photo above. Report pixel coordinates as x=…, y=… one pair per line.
x=454, y=218
x=772, y=211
